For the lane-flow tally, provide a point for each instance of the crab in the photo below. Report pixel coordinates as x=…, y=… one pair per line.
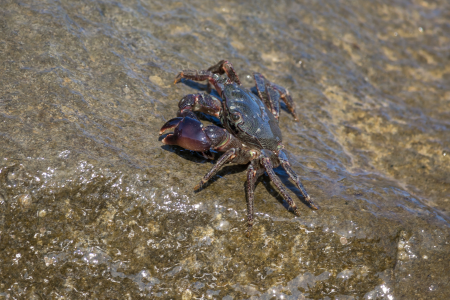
x=250, y=133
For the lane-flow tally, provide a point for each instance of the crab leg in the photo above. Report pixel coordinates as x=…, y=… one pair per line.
x=274, y=99
x=220, y=68
x=226, y=157
x=267, y=92
x=199, y=102
x=225, y=66
x=269, y=169
x=268, y=95
x=253, y=172
x=201, y=75
x=286, y=97
x=251, y=179
x=196, y=75
x=287, y=167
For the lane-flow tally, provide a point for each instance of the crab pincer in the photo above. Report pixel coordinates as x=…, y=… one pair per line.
x=188, y=133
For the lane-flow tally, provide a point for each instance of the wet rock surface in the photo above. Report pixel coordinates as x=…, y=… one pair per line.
x=93, y=206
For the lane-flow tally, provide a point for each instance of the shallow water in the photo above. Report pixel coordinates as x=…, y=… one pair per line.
x=94, y=206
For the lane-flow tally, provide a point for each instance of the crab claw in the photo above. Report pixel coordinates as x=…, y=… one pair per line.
x=170, y=124
x=178, y=78
x=188, y=133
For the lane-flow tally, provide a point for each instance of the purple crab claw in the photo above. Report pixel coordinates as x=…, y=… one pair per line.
x=188, y=133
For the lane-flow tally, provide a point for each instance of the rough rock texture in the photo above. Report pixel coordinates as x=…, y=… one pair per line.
x=93, y=206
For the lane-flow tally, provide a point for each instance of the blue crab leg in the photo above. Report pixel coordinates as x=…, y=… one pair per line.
x=281, y=188
x=287, y=167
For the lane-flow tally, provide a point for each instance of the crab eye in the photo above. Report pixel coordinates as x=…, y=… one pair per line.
x=236, y=117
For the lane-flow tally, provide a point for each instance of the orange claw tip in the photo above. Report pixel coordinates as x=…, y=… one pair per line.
x=199, y=186
x=161, y=131
x=178, y=78
x=167, y=140
x=312, y=205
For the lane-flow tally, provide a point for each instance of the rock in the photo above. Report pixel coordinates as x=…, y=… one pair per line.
x=86, y=86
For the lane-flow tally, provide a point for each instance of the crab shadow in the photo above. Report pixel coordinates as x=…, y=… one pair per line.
x=272, y=190
x=184, y=153
x=199, y=87
x=264, y=179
